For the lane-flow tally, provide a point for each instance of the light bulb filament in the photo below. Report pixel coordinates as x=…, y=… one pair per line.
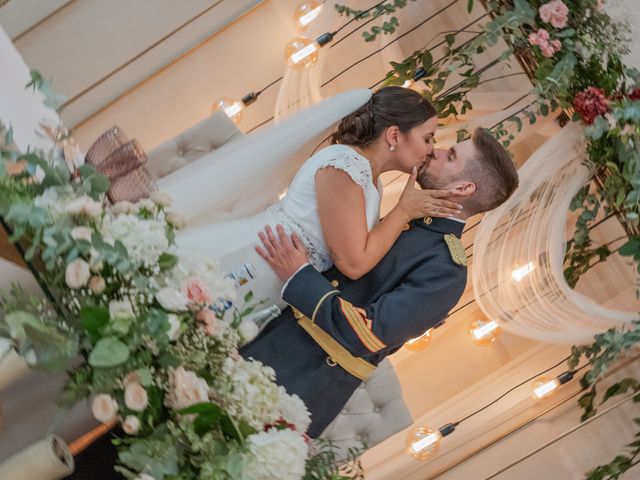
x=303, y=53
x=307, y=18
x=233, y=109
x=546, y=388
x=519, y=273
x=485, y=329
x=426, y=442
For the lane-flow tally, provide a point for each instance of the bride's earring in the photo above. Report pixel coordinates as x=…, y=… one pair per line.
x=392, y=148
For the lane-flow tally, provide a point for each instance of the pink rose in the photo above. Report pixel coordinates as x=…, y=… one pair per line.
x=135, y=397
x=185, y=389
x=541, y=39
x=208, y=321
x=104, y=408
x=555, y=12
x=97, y=284
x=77, y=273
x=131, y=425
x=196, y=291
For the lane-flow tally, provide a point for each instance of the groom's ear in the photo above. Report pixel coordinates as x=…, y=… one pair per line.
x=463, y=188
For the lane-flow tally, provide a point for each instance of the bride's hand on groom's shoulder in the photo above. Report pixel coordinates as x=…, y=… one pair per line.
x=284, y=254
x=416, y=203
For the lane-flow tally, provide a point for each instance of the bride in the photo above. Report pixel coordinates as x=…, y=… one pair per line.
x=333, y=202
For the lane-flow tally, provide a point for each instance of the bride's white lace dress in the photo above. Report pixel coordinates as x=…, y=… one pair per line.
x=233, y=241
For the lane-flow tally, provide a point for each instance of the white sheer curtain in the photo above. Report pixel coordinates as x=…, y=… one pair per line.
x=519, y=250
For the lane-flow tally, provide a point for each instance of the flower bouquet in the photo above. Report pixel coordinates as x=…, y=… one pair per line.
x=139, y=326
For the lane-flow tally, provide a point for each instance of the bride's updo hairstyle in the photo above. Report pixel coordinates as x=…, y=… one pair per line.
x=387, y=107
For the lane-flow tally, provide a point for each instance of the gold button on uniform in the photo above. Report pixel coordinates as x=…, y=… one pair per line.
x=427, y=220
x=335, y=283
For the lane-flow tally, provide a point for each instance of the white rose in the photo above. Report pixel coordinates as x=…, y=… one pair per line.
x=84, y=205
x=172, y=300
x=125, y=207
x=131, y=425
x=186, y=389
x=81, y=233
x=161, y=198
x=77, y=273
x=248, y=330
x=120, y=308
x=95, y=264
x=174, y=327
x=146, y=204
x=176, y=220
x=38, y=175
x=135, y=397
x=104, y=408
x=97, y=285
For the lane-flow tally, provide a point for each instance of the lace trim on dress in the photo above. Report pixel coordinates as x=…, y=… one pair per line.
x=354, y=164
x=318, y=257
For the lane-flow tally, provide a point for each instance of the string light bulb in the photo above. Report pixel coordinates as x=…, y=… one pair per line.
x=306, y=12
x=303, y=53
x=419, y=343
x=231, y=108
x=482, y=332
x=543, y=387
x=519, y=273
x=422, y=442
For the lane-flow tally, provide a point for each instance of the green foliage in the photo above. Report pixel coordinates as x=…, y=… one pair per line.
x=325, y=463
x=385, y=9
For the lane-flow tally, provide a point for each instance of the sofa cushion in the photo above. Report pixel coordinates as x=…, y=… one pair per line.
x=204, y=137
x=374, y=412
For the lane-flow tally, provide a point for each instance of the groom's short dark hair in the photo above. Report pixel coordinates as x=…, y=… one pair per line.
x=493, y=172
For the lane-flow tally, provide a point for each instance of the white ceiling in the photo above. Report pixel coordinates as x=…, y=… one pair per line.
x=96, y=50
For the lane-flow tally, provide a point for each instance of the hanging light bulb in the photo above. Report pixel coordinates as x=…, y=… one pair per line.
x=521, y=272
x=303, y=53
x=543, y=387
x=306, y=12
x=232, y=108
x=422, y=442
x=419, y=343
x=483, y=332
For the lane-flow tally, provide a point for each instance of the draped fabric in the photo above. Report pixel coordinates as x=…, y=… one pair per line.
x=519, y=251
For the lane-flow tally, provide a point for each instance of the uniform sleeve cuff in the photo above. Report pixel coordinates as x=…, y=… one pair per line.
x=284, y=287
x=306, y=290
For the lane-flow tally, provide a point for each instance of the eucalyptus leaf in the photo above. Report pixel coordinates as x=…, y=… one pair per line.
x=108, y=352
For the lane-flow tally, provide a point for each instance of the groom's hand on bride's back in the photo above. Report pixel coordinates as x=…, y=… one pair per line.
x=284, y=255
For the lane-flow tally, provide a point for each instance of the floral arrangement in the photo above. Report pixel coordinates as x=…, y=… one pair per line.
x=144, y=330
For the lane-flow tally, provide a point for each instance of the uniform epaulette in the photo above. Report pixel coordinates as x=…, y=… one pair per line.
x=456, y=249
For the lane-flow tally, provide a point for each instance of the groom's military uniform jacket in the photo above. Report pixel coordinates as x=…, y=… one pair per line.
x=411, y=290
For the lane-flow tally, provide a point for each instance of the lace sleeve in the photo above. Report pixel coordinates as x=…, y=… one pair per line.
x=356, y=166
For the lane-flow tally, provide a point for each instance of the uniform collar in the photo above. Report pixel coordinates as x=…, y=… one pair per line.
x=440, y=225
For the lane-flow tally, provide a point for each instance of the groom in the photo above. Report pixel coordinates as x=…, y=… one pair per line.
x=337, y=329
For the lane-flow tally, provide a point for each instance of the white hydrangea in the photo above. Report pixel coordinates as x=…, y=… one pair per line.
x=145, y=240
x=276, y=454
x=54, y=199
x=248, y=390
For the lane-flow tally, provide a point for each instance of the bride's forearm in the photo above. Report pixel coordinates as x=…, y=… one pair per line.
x=377, y=243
